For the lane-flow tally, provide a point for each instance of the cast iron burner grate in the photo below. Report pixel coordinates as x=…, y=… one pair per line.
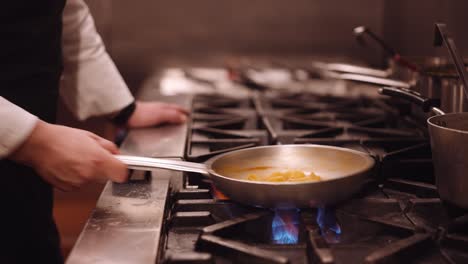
x=318, y=119
x=221, y=124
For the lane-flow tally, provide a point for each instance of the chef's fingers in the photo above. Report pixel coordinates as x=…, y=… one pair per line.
x=106, y=144
x=170, y=115
x=175, y=107
x=113, y=169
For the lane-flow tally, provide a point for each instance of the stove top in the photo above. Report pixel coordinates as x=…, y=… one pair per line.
x=381, y=227
x=397, y=217
x=172, y=217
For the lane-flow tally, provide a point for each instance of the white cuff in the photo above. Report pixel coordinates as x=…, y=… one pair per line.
x=15, y=127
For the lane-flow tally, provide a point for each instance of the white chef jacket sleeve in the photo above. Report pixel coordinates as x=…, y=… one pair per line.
x=91, y=85
x=15, y=127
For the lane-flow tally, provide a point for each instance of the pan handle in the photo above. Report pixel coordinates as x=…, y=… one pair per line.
x=425, y=103
x=366, y=79
x=144, y=163
x=362, y=30
x=373, y=80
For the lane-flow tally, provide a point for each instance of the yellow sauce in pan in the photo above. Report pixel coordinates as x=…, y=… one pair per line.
x=270, y=174
x=285, y=176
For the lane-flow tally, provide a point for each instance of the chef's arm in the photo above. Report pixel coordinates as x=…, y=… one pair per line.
x=65, y=157
x=91, y=84
x=17, y=124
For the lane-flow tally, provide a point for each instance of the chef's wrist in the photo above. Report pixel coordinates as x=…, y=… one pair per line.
x=121, y=118
x=33, y=144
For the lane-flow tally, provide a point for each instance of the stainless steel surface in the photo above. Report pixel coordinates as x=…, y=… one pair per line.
x=449, y=142
x=143, y=163
x=127, y=222
x=453, y=99
x=431, y=85
x=163, y=141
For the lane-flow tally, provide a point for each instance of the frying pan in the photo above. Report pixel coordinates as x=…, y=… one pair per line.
x=342, y=172
x=449, y=143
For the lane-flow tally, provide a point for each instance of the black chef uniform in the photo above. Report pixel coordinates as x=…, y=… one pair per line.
x=30, y=68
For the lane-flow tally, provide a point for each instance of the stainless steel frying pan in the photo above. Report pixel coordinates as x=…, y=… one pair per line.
x=343, y=171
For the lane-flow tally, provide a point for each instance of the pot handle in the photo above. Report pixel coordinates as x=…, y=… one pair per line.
x=425, y=103
x=144, y=163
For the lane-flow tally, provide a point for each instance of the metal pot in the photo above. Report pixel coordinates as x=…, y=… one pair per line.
x=343, y=171
x=437, y=79
x=433, y=77
x=453, y=98
x=459, y=94
x=449, y=143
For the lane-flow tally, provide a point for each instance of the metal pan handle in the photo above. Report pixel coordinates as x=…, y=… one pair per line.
x=362, y=30
x=373, y=80
x=426, y=104
x=365, y=79
x=144, y=163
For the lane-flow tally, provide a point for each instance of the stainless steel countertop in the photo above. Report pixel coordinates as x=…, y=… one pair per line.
x=128, y=219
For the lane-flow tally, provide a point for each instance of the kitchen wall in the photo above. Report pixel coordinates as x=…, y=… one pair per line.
x=144, y=34
x=409, y=25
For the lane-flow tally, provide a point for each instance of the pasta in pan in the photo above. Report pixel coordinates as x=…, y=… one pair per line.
x=285, y=176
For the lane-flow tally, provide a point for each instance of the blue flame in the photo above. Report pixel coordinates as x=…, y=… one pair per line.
x=329, y=226
x=285, y=230
x=326, y=219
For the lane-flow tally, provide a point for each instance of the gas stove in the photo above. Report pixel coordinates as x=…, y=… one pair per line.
x=174, y=217
x=397, y=217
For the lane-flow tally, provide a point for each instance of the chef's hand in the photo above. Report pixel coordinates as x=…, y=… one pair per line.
x=148, y=114
x=68, y=158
